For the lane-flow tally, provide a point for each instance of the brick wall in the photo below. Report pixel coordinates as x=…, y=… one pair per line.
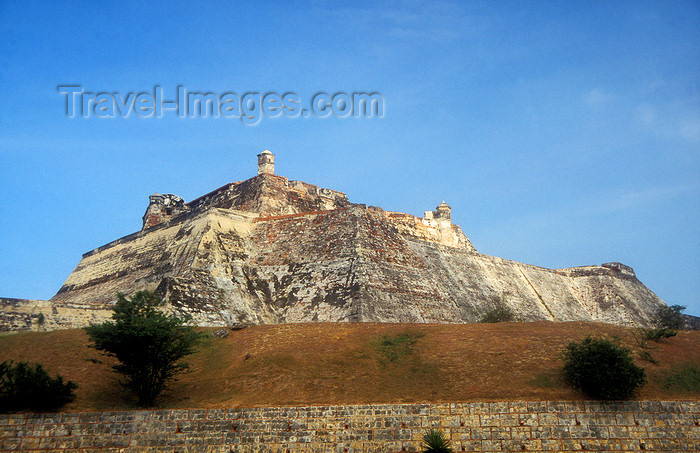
x=473, y=427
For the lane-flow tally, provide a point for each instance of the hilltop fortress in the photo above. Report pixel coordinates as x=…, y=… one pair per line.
x=271, y=250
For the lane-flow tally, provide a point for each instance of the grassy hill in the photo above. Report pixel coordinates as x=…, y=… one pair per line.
x=326, y=364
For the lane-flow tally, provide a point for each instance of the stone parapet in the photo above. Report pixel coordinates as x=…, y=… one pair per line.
x=471, y=427
x=41, y=315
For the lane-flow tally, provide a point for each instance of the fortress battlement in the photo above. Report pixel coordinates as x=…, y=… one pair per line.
x=266, y=194
x=273, y=250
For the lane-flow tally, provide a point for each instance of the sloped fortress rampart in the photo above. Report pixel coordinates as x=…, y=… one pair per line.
x=272, y=250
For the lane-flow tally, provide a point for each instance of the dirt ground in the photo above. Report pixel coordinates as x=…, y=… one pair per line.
x=327, y=364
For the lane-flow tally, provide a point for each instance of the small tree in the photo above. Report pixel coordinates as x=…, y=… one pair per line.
x=669, y=317
x=602, y=369
x=667, y=321
x=148, y=343
x=25, y=386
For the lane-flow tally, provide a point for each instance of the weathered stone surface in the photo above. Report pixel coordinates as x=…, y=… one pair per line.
x=474, y=427
x=26, y=314
x=270, y=250
x=162, y=208
x=221, y=333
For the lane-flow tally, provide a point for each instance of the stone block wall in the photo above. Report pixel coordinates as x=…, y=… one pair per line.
x=472, y=427
x=41, y=315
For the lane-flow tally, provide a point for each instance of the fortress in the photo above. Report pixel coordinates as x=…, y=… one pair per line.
x=272, y=250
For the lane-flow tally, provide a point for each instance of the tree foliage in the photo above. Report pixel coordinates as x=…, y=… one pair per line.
x=667, y=321
x=148, y=343
x=26, y=386
x=602, y=369
x=669, y=317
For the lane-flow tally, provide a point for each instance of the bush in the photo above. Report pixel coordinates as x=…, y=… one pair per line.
x=602, y=369
x=659, y=333
x=148, y=343
x=23, y=386
x=500, y=314
x=435, y=442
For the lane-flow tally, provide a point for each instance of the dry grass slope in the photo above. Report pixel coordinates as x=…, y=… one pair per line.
x=306, y=364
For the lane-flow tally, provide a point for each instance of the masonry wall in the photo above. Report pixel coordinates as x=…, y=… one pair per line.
x=472, y=427
x=42, y=315
x=225, y=267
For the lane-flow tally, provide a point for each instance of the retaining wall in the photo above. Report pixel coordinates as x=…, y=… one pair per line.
x=473, y=427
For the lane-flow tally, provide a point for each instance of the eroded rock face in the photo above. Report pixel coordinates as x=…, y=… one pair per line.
x=270, y=250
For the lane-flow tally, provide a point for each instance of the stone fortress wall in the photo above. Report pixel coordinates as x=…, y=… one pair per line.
x=271, y=250
x=535, y=426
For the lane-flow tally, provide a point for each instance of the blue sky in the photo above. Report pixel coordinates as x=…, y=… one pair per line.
x=561, y=133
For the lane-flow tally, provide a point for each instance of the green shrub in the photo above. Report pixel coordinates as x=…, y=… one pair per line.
x=435, y=442
x=659, y=333
x=499, y=314
x=23, y=386
x=602, y=369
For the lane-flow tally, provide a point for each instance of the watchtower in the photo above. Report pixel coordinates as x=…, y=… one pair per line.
x=443, y=211
x=162, y=208
x=441, y=217
x=266, y=163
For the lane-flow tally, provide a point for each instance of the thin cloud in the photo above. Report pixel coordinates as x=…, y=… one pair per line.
x=639, y=198
x=646, y=116
x=436, y=22
x=597, y=97
x=674, y=121
x=603, y=204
